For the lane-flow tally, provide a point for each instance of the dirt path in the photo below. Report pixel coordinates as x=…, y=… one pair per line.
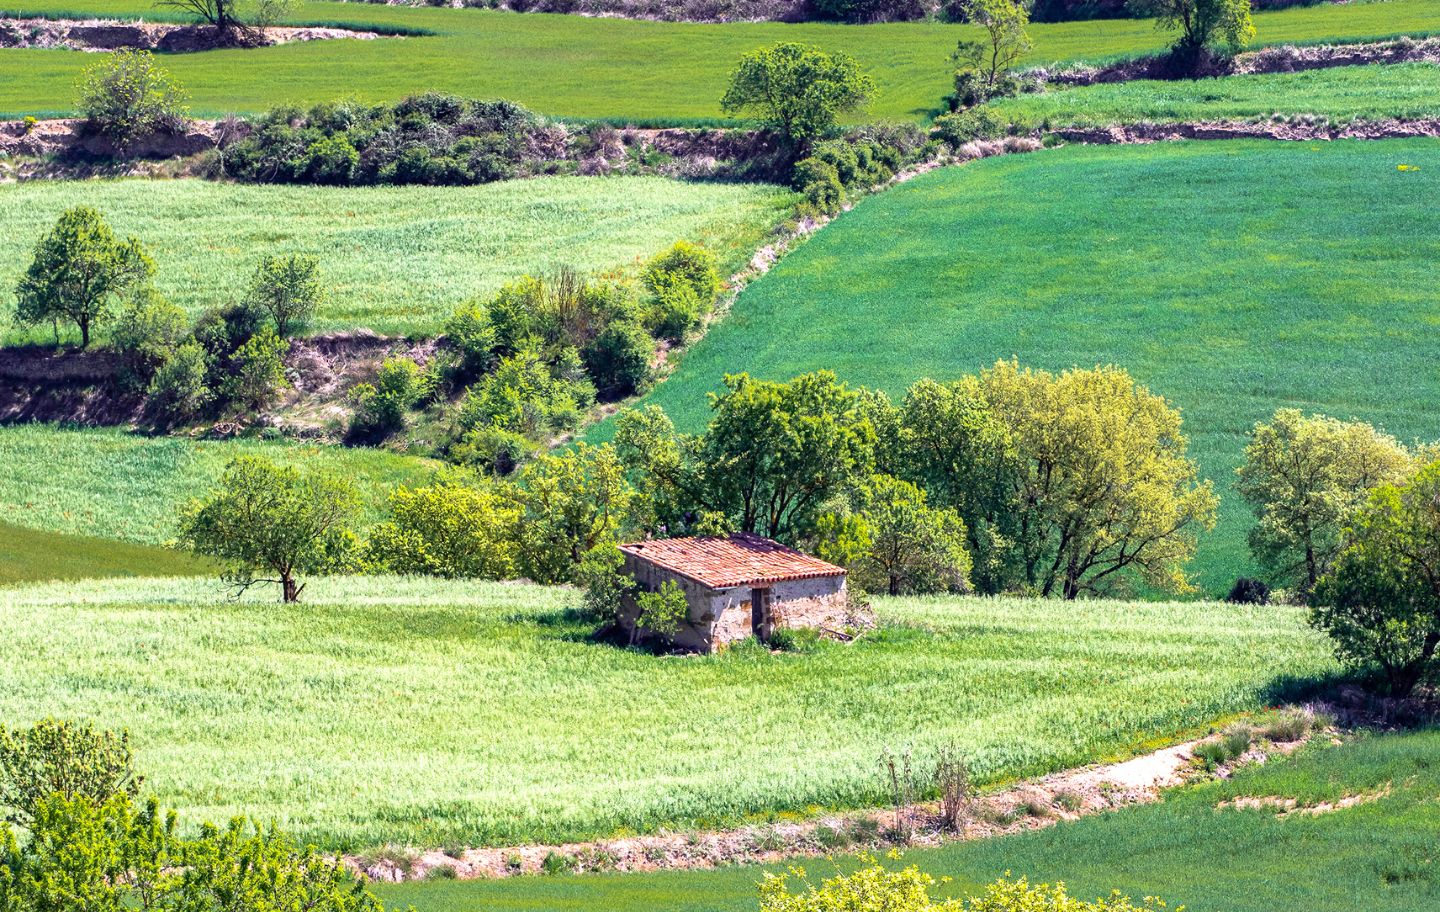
x=1027, y=805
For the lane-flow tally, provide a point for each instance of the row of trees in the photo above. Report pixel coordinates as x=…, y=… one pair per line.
x=1012, y=480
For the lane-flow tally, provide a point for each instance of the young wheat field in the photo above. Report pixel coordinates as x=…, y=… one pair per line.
x=439, y=713
x=395, y=259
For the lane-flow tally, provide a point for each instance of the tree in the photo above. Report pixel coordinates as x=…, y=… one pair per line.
x=1005, y=42
x=257, y=370
x=147, y=333
x=1201, y=23
x=265, y=518
x=799, y=91
x=901, y=544
x=288, y=288
x=1101, y=479
x=455, y=527
x=1303, y=477
x=662, y=612
x=126, y=97
x=79, y=271
x=230, y=16
x=1380, y=602
x=573, y=502
x=70, y=759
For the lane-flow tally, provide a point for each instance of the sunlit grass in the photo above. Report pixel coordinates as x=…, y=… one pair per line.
x=1231, y=277
x=112, y=484
x=575, y=66
x=395, y=259
x=438, y=714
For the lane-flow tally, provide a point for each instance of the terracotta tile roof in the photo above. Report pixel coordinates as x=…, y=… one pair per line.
x=739, y=560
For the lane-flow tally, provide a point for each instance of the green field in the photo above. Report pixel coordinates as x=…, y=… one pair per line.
x=1340, y=94
x=116, y=485
x=1379, y=856
x=1231, y=277
x=28, y=555
x=437, y=714
x=397, y=259
x=575, y=66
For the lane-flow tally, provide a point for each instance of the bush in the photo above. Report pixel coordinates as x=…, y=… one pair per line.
x=962, y=127
x=68, y=759
x=257, y=371
x=1230, y=746
x=380, y=407
x=456, y=527
x=146, y=334
x=331, y=160
x=618, y=359
x=809, y=170
x=470, y=331
x=1247, y=591
x=179, y=389
x=873, y=10
x=688, y=263
x=126, y=97
x=675, y=309
x=288, y=288
x=600, y=574
x=662, y=613
x=823, y=197
x=221, y=331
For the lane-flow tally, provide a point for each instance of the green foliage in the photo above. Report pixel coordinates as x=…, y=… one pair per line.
x=265, y=518
x=470, y=331
x=1006, y=39
x=661, y=613
x=1303, y=477
x=797, y=90
x=1380, y=603
x=689, y=263
x=78, y=271
x=179, y=390
x=897, y=543
x=104, y=856
x=455, y=527
x=960, y=127
x=508, y=665
x=288, y=288
x=380, y=407
x=601, y=574
x=257, y=371
x=574, y=502
x=522, y=398
x=1202, y=23
x=147, y=333
x=618, y=359
x=70, y=759
x=125, y=97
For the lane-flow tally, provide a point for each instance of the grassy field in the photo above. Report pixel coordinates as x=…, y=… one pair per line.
x=1378, y=856
x=1231, y=277
x=28, y=555
x=115, y=485
x=574, y=66
x=1342, y=93
x=439, y=714
x=397, y=259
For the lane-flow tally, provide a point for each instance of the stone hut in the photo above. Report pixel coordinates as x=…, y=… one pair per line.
x=739, y=586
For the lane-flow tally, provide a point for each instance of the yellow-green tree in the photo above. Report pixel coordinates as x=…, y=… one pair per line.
x=1100, y=479
x=1202, y=23
x=458, y=526
x=896, y=542
x=572, y=502
x=1303, y=476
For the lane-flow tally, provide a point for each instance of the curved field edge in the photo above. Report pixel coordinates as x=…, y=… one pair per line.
x=395, y=259
x=441, y=714
x=113, y=484
x=611, y=68
x=1382, y=91
x=30, y=555
x=1306, y=280
x=1188, y=850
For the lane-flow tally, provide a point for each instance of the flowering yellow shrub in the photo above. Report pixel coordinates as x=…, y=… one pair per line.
x=875, y=888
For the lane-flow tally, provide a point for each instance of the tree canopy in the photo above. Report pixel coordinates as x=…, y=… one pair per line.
x=797, y=90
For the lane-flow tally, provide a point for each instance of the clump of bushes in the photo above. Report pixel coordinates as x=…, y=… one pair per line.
x=433, y=139
x=126, y=97
x=837, y=168
x=961, y=127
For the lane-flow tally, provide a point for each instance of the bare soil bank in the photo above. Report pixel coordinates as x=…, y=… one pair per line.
x=114, y=35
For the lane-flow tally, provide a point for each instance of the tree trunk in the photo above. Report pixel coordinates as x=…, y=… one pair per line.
x=290, y=592
x=84, y=332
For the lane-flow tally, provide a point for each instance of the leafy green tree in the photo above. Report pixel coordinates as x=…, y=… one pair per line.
x=288, y=288
x=900, y=544
x=146, y=334
x=687, y=262
x=126, y=97
x=1006, y=39
x=264, y=518
x=179, y=390
x=455, y=527
x=1304, y=477
x=470, y=331
x=601, y=574
x=80, y=269
x=661, y=613
x=257, y=371
x=1101, y=477
x=618, y=359
x=55, y=757
x=1380, y=602
x=1202, y=23
x=797, y=90
x=573, y=502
